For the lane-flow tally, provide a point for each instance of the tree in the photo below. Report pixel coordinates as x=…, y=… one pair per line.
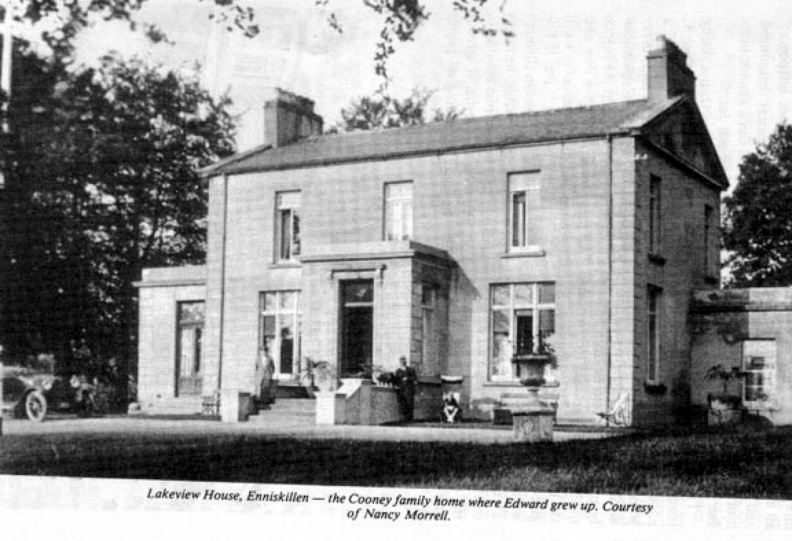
x=758, y=221
x=60, y=21
x=384, y=111
x=102, y=181
x=56, y=23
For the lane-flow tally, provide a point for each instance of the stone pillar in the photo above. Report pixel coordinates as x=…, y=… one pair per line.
x=533, y=426
x=234, y=406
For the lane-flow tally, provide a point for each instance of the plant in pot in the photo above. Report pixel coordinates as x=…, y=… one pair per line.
x=725, y=405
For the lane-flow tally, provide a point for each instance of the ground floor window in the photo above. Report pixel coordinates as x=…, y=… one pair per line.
x=279, y=334
x=759, y=362
x=429, y=335
x=653, y=296
x=522, y=321
x=189, y=337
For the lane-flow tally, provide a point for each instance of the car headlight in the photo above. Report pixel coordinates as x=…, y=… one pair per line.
x=47, y=384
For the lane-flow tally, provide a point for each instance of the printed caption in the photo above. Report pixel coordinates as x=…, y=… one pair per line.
x=401, y=507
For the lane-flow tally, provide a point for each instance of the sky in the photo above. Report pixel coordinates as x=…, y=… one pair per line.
x=564, y=54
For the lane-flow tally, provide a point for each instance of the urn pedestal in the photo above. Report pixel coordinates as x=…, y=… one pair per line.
x=533, y=420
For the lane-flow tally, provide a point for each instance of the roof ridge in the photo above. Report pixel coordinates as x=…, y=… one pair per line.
x=470, y=120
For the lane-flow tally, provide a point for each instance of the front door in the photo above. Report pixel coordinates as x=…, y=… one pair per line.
x=189, y=342
x=357, y=324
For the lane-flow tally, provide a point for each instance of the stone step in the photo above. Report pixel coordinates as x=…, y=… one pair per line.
x=288, y=408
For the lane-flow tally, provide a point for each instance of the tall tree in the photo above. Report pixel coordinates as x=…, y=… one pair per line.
x=758, y=217
x=101, y=182
x=384, y=111
x=58, y=22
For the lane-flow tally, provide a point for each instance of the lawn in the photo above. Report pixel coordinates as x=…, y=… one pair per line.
x=755, y=463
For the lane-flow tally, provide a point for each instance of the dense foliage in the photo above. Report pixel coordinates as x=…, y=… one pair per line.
x=59, y=22
x=101, y=180
x=758, y=220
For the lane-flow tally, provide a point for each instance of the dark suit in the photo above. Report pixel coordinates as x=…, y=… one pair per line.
x=405, y=385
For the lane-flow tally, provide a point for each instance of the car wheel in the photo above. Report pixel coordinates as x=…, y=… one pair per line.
x=35, y=406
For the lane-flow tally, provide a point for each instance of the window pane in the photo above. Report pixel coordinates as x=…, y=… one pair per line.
x=523, y=295
x=547, y=329
x=407, y=219
x=198, y=338
x=546, y=293
x=285, y=234
x=287, y=300
x=525, y=338
x=295, y=237
x=500, y=295
x=269, y=328
x=187, y=347
x=360, y=291
x=269, y=302
x=546, y=322
x=500, y=322
x=398, y=190
x=191, y=312
x=518, y=219
x=520, y=182
x=398, y=211
x=288, y=200
x=501, y=355
x=652, y=343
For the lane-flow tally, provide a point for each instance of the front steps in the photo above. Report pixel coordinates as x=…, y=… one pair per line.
x=302, y=410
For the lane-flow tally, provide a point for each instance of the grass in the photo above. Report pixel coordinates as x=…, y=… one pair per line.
x=743, y=463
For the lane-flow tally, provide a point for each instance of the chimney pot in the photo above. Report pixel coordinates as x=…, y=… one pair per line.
x=289, y=117
x=669, y=74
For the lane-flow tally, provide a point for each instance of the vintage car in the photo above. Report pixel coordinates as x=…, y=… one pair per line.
x=34, y=394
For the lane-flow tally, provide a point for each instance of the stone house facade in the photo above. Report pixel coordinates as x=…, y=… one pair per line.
x=581, y=232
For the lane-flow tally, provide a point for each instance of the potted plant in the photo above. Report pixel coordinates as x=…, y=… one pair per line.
x=725, y=405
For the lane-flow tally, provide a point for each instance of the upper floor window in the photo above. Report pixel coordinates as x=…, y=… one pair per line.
x=655, y=215
x=398, y=210
x=524, y=203
x=288, y=226
x=710, y=269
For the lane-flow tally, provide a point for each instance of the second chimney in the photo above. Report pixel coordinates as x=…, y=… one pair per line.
x=289, y=117
x=669, y=75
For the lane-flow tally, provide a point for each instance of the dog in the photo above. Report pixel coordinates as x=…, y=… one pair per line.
x=451, y=408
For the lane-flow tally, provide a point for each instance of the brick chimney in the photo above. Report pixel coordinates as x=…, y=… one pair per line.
x=669, y=75
x=289, y=117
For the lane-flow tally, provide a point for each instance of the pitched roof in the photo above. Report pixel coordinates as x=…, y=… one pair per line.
x=454, y=135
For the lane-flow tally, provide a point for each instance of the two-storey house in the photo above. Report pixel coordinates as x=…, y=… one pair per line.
x=461, y=245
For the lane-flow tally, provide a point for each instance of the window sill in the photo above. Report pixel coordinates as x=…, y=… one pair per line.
x=657, y=259
x=286, y=265
x=528, y=252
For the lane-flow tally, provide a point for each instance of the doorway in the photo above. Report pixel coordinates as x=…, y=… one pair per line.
x=357, y=327
x=189, y=347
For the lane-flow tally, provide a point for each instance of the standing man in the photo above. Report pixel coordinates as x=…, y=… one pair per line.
x=405, y=386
